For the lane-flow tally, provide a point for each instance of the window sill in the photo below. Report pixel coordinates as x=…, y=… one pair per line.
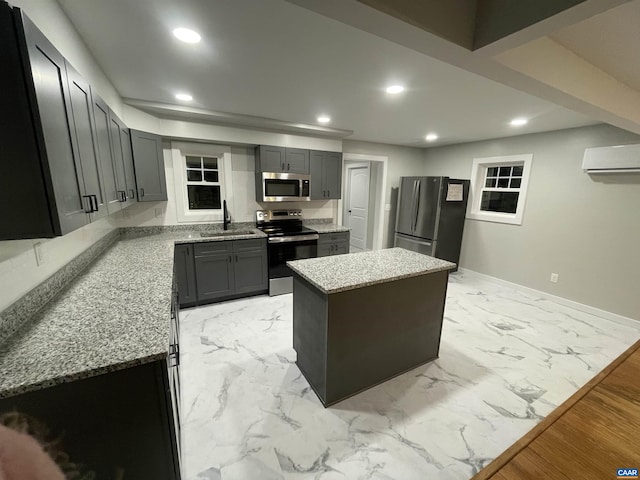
x=510, y=219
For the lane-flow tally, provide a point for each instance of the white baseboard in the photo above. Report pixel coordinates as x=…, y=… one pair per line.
x=614, y=317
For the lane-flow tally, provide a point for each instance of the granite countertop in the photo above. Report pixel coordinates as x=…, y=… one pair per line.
x=338, y=273
x=327, y=227
x=114, y=315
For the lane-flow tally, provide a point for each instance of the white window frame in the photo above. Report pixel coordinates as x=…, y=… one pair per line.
x=478, y=175
x=179, y=152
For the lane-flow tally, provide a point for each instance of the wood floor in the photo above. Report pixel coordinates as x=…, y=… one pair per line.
x=590, y=436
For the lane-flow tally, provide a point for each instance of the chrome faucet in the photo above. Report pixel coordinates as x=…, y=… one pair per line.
x=225, y=214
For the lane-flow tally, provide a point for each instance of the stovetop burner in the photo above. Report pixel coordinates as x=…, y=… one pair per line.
x=281, y=222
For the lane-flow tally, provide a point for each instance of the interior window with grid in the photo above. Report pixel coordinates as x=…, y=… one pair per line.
x=501, y=188
x=203, y=182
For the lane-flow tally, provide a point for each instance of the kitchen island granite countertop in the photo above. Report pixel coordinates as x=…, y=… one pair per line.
x=339, y=273
x=113, y=315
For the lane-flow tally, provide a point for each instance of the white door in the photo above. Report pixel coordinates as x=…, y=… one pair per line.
x=358, y=207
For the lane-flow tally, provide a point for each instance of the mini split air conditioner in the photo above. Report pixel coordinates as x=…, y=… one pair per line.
x=616, y=159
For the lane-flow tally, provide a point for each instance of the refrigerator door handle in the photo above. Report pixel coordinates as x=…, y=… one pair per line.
x=417, y=207
x=413, y=204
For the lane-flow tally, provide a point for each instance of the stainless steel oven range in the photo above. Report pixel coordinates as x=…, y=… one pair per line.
x=287, y=240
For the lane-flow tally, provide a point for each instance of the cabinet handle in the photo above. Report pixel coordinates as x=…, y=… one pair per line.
x=282, y=168
x=288, y=166
x=133, y=193
x=230, y=259
x=94, y=206
x=142, y=192
x=90, y=209
x=123, y=195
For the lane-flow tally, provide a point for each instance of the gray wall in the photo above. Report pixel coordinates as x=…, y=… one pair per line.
x=585, y=228
x=402, y=162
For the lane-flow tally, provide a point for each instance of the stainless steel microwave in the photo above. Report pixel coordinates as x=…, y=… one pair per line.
x=285, y=187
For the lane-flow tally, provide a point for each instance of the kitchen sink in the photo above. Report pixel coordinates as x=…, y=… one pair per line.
x=227, y=233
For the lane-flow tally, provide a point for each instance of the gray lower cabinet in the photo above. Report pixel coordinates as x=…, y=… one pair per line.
x=230, y=269
x=326, y=175
x=282, y=160
x=333, y=244
x=149, y=166
x=185, y=272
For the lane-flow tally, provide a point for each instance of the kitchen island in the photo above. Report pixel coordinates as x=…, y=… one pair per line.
x=360, y=319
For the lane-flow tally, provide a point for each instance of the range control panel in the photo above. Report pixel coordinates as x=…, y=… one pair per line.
x=269, y=215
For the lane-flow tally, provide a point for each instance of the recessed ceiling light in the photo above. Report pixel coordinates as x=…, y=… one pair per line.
x=186, y=35
x=185, y=97
x=324, y=119
x=431, y=137
x=395, y=89
x=518, y=122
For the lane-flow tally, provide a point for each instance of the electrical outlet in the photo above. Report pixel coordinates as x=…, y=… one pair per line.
x=37, y=249
x=554, y=278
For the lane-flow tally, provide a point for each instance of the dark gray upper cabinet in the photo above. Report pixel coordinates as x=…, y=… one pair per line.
x=149, y=166
x=282, y=160
x=123, y=160
x=185, y=271
x=326, y=175
x=105, y=154
x=52, y=113
x=83, y=129
x=27, y=202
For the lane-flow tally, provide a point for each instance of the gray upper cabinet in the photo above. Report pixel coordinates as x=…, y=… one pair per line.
x=41, y=183
x=282, y=160
x=83, y=129
x=149, y=166
x=105, y=154
x=123, y=160
x=326, y=175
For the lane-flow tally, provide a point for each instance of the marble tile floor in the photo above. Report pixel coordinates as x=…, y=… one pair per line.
x=507, y=359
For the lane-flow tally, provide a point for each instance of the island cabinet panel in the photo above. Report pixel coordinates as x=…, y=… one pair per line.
x=373, y=333
x=116, y=425
x=185, y=272
x=149, y=166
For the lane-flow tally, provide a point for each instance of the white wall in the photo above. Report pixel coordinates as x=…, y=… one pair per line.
x=585, y=228
x=402, y=161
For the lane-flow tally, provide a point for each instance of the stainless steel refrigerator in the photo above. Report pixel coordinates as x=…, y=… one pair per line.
x=430, y=216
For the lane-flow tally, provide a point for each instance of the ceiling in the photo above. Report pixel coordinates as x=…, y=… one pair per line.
x=270, y=58
x=610, y=41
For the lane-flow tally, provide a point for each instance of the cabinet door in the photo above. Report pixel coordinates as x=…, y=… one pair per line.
x=81, y=109
x=324, y=250
x=251, y=271
x=127, y=157
x=105, y=153
x=340, y=248
x=185, y=274
x=332, y=174
x=296, y=160
x=315, y=167
x=270, y=159
x=118, y=158
x=214, y=276
x=54, y=114
x=149, y=166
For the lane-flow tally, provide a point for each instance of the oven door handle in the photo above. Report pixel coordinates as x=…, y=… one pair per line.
x=295, y=238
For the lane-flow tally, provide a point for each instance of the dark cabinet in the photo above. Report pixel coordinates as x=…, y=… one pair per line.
x=105, y=154
x=185, y=272
x=230, y=269
x=333, y=244
x=149, y=166
x=85, y=136
x=326, y=175
x=282, y=160
x=122, y=160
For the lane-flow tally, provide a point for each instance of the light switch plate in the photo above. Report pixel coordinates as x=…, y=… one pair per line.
x=37, y=250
